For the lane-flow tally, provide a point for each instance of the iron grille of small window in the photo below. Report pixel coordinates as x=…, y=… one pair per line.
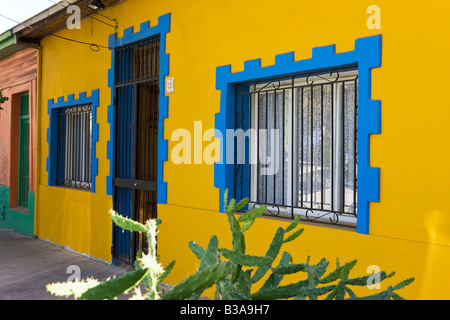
x=74, y=155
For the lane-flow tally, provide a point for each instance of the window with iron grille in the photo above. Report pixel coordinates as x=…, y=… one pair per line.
x=303, y=145
x=312, y=103
x=74, y=147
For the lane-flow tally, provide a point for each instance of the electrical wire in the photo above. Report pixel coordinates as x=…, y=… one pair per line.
x=88, y=15
x=93, y=46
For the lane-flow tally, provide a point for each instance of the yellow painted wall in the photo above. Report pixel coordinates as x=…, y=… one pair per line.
x=68, y=217
x=409, y=228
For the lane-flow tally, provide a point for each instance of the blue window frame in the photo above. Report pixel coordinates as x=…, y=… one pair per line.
x=365, y=57
x=73, y=122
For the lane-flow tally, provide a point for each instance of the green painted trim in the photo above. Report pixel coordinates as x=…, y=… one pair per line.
x=24, y=151
x=14, y=219
x=8, y=45
x=6, y=39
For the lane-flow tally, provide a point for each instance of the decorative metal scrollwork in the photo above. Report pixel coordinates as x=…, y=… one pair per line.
x=267, y=209
x=272, y=213
x=276, y=84
x=322, y=77
x=334, y=215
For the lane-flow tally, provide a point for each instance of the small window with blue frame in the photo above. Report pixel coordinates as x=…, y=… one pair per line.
x=72, y=136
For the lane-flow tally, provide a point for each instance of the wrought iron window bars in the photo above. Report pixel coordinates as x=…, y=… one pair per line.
x=314, y=154
x=74, y=156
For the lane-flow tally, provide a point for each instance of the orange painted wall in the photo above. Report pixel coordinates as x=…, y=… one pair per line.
x=17, y=76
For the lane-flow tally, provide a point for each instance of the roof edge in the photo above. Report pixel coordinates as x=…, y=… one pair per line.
x=47, y=13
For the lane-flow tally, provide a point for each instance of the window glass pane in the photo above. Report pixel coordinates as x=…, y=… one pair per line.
x=327, y=143
x=350, y=147
x=305, y=143
x=271, y=146
x=75, y=147
x=286, y=152
x=316, y=147
x=262, y=142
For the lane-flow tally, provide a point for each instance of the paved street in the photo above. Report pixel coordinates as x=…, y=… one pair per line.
x=27, y=265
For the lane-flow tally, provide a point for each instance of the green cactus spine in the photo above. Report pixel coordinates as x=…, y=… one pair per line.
x=111, y=289
x=244, y=259
x=279, y=292
x=237, y=234
x=127, y=224
x=271, y=254
x=196, y=249
x=199, y=282
x=274, y=279
x=209, y=257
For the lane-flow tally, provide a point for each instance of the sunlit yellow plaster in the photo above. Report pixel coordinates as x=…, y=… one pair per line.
x=408, y=227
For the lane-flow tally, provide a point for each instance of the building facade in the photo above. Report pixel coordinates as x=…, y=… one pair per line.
x=155, y=108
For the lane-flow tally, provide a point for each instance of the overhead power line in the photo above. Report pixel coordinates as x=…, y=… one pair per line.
x=93, y=46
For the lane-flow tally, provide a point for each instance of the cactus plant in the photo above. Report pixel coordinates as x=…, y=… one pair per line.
x=199, y=282
x=111, y=289
x=224, y=268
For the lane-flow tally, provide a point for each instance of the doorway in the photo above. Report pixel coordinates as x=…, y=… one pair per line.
x=136, y=117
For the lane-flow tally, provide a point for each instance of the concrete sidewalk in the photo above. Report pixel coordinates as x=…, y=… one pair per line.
x=27, y=265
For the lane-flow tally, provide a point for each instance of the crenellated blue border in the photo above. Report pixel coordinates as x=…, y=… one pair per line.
x=52, y=131
x=129, y=37
x=366, y=56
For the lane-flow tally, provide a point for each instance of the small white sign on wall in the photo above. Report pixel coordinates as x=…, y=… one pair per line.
x=170, y=88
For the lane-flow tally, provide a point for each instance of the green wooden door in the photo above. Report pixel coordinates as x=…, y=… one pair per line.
x=24, y=151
